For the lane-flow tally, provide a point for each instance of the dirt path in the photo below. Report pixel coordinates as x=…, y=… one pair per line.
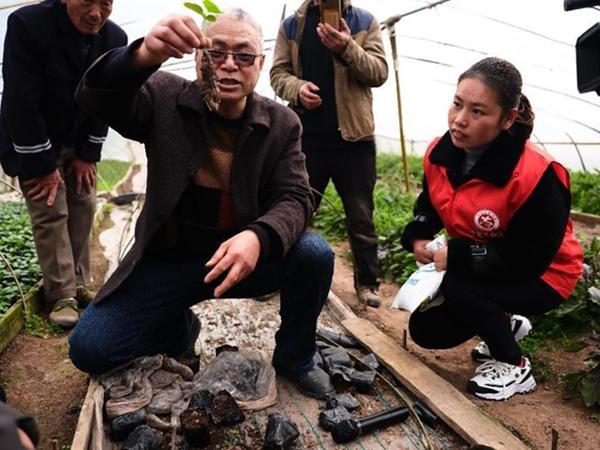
x=41, y=381
x=532, y=417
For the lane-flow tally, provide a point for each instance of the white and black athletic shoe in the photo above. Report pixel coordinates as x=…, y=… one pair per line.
x=520, y=327
x=497, y=380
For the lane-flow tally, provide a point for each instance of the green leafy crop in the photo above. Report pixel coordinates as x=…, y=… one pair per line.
x=16, y=245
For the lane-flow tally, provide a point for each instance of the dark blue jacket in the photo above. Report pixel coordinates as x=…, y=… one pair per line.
x=43, y=62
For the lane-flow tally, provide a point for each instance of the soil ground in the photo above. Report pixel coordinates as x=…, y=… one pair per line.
x=41, y=381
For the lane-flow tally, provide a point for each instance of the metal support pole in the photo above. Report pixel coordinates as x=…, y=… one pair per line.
x=578, y=152
x=392, y=33
x=390, y=25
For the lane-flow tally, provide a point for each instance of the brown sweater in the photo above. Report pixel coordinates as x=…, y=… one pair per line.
x=203, y=217
x=215, y=171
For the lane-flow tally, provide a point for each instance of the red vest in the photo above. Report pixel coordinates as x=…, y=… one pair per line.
x=481, y=211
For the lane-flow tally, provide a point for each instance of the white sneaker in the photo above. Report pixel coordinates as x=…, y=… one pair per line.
x=496, y=380
x=520, y=327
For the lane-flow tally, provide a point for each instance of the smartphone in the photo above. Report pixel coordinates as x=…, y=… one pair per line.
x=331, y=12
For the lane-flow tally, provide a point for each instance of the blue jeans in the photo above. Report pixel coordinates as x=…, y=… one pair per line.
x=149, y=312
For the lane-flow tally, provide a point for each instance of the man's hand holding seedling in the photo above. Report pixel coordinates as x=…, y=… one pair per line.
x=173, y=36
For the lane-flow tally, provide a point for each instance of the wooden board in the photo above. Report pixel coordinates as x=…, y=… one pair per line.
x=469, y=421
x=589, y=219
x=85, y=422
x=12, y=322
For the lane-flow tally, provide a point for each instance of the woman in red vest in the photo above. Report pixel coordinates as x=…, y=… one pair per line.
x=505, y=205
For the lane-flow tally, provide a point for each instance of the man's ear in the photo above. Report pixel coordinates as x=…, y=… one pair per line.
x=261, y=61
x=509, y=120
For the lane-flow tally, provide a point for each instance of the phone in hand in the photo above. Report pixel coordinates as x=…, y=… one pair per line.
x=331, y=12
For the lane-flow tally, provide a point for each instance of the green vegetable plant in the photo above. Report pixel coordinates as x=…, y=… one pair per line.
x=586, y=310
x=208, y=10
x=16, y=245
x=585, y=189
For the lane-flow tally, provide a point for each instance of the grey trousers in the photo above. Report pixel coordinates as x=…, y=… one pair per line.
x=62, y=237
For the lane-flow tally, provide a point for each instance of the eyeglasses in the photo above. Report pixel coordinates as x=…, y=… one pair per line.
x=241, y=59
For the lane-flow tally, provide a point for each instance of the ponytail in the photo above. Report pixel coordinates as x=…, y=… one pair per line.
x=522, y=128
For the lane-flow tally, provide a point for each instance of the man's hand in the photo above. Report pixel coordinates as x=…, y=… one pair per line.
x=45, y=186
x=84, y=173
x=236, y=256
x=440, y=258
x=308, y=96
x=422, y=255
x=173, y=36
x=335, y=40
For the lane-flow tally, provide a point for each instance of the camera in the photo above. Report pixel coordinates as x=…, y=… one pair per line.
x=587, y=50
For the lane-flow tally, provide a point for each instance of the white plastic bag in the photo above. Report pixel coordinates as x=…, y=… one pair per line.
x=423, y=284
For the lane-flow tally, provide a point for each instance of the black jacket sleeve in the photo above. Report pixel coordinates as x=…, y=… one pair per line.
x=24, y=85
x=531, y=242
x=90, y=146
x=426, y=223
x=111, y=90
x=10, y=420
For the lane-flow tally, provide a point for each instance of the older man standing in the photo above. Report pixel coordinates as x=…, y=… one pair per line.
x=226, y=207
x=48, y=142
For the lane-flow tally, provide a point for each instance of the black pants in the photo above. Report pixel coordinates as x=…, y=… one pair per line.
x=353, y=174
x=480, y=308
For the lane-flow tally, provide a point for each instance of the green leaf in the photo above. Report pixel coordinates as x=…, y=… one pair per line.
x=210, y=18
x=195, y=7
x=590, y=388
x=569, y=308
x=595, y=246
x=574, y=346
x=594, y=293
x=211, y=7
x=572, y=381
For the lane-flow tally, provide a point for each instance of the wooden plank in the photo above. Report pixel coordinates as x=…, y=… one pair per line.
x=84, y=423
x=340, y=310
x=588, y=219
x=99, y=439
x=469, y=421
x=12, y=322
